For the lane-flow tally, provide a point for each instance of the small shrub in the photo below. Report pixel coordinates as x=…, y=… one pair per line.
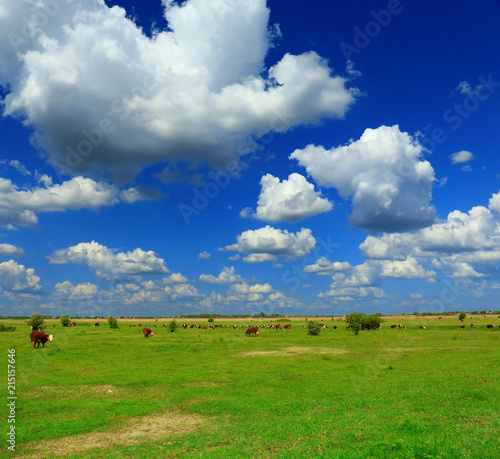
x=211, y=319
x=7, y=328
x=113, y=323
x=36, y=321
x=462, y=316
x=64, y=321
x=172, y=326
x=313, y=327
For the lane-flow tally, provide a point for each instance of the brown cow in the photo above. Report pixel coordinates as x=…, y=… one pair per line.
x=472, y=325
x=394, y=326
x=39, y=337
x=490, y=326
x=147, y=332
x=250, y=330
x=422, y=327
x=288, y=326
x=96, y=324
x=462, y=326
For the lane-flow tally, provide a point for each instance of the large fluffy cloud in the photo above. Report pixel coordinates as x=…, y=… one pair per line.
x=109, y=264
x=291, y=200
x=268, y=243
x=383, y=173
x=20, y=206
x=101, y=96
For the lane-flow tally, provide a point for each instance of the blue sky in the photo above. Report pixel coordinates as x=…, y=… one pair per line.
x=227, y=156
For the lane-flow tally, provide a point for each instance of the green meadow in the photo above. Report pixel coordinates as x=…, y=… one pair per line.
x=215, y=393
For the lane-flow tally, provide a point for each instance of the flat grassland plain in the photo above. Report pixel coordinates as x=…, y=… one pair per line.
x=215, y=393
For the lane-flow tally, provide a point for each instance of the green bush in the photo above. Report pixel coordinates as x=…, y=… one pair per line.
x=359, y=321
x=172, y=326
x=7, y=328
x=313, y=327
x=113, y=323
x=64, y=321
x=462, y=316
x=36, y=321
x=211, y=319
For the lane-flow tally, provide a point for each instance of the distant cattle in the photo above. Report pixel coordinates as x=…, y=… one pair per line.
x=490, y=326
x=96, y=324
x=250, y=330
x=288, y=326
x=147, y=332
x=462, y=326
x=394, y=326
x=472, y=325
x=39, y=337
x=335, y=327
x=276, y=326
x=422, y=327
x=183, y=325
x=348, y=328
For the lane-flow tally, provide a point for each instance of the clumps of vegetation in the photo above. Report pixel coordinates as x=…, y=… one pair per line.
x=361, y=321
x=313, y=327
x=7, y=328
x=210, y=319
x=462, y=316
x=113, y=323
x=64, y=321
x=172, y=326
x=36, y=321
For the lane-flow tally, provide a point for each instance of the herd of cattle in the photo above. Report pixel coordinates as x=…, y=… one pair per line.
x=39, y=337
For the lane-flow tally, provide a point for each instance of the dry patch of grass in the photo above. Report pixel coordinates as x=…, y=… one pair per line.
x=202, y=384
x=146, y=429
x=296, y=350
x=81, y=390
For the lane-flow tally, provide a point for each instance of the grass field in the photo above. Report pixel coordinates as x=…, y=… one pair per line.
x=102, y=393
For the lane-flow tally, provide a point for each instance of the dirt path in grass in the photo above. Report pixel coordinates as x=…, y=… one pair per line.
x=138, y=430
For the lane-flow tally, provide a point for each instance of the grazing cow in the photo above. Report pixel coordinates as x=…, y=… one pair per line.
x=439, y=317
x=400, y=326
x=490, y=326
x=276, y=326
x=96, y=324
x=184, y=325
x=472, y=325
x=335, y=327
x=394, y=326
x=288, y=326
x=250, y=330
x=348, y=328
x=462, y=326
x=39, y=337
x=422, y=327
x=147, y=332
x=263, y=326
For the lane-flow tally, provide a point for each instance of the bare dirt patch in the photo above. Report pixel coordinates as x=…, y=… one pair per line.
x=295, y=351
x=201, y=384
x=138, y=430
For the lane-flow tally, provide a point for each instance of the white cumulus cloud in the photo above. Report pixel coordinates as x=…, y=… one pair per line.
x=109, y=264
x=383, y=173
x=291, y=200
x=268, y=243
x=102, y=97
